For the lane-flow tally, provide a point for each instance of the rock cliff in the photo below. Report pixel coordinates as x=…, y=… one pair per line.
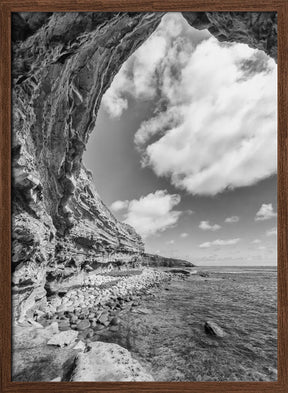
x=62, y=65
x=256, y=29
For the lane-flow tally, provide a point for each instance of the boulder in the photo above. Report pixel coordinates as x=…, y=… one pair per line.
x=213, y=329
x=64, y=325
x=179, y=271
x=63, y=339
x=80, y=345
x=108, y=362
x=115, y=321
x=83, y=325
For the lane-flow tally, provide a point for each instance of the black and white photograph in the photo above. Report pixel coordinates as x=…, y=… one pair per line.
x=144, y=196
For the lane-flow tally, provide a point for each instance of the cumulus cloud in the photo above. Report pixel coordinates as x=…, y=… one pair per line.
x=170, y=242
x=271, y=232
x=206, y=226
x=152, y=213
x=265, y=212
x=214, y=124
x=232, y=219
x=136, y=77
x=119, y=205
x=219, y=242
x=256, y=241
x=184, y=234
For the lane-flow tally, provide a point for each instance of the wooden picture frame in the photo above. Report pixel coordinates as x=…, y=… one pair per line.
x=9, y=6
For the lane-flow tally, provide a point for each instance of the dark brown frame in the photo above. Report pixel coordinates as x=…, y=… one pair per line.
x=8, y=6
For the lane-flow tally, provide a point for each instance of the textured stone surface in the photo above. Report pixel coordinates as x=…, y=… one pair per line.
x=108, y=362
x=31, y=336
x=63, y=338
x=62, y=65
x=257, y=29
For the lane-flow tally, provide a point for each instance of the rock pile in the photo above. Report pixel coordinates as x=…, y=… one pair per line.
x=95, y=306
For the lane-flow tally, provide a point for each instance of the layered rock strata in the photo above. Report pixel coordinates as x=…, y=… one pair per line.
x=62, y=65
x=256, y=29
x=89, y=312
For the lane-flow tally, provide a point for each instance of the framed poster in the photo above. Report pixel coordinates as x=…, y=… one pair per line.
x=163, y=266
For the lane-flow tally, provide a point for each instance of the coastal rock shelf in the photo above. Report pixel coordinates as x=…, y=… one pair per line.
x=63, y=63
x=73, y=323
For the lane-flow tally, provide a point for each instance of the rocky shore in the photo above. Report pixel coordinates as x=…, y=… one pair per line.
x=71, y=324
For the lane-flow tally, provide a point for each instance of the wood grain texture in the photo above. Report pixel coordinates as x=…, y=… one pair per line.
x=8, y=6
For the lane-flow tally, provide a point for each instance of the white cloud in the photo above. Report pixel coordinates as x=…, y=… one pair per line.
x=206, y=226
x=271, y=232
x=232, y=219
x=119, y=205
x=170, y=242
x=189, y=212
x=214, y=124
x=265, y=212
x=184, y=234
x=219, y=242
x=136, y=77
x=153, y=213
x=256, y=241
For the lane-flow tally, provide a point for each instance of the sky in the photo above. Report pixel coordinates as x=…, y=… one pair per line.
x=185, y=147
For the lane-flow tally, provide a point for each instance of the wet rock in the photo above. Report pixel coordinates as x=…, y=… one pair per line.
x=73, y=318
x=213, y=329
x=179, y=271
x=99, y=327
x=143, y=311
x=95, y=337
x=83, y=325
x=64, y=324
x=103, y=318
x=115, y=321
x=203, y=274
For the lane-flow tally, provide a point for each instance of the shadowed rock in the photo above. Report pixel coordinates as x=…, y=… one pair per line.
x=213, y=329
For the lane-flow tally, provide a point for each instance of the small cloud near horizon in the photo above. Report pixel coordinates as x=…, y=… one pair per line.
x=206, y=226
x=265, y=212
x=220, y=242
x=232, y=219
x=256, y=241
x=271, y=232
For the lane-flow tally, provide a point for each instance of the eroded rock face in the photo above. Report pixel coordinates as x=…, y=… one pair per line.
x=62, y=65
x=256, y=29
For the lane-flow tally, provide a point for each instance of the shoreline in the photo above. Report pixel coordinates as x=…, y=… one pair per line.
x=165, y=332
x=82, y=314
